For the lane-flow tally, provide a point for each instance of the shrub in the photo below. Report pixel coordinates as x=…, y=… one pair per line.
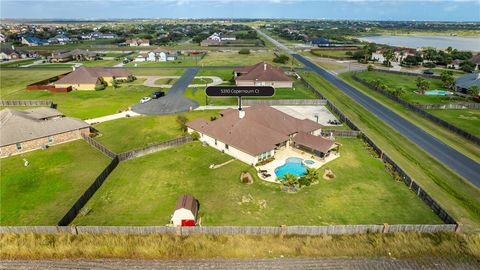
x=370, y=68
x=265, y=161
x=182, y=122
x=473, y=90
x=195, y=136
x=244, y=51
x=429, y=65
x=213, y=118
x=282, y=59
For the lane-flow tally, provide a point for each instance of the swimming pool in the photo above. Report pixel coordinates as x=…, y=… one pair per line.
x=293, y=166
x=437, y=93
x=309, y=162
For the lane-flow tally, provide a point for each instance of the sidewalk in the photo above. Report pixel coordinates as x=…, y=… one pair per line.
x=112, y=117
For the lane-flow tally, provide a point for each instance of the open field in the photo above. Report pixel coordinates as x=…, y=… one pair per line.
x=452, y=192
x=407, y=85
x=236, y=59
x=42, y=192
x=81, y=104
x=468, y=120
x=156, y=71
x=170, y=247
x=458, y=142
x=201, y=80
x=330, y=53
x=159, y=64
x=170, y=81
x=143, y=130
x=355, y=196
x=100, y=63
x=225, y=73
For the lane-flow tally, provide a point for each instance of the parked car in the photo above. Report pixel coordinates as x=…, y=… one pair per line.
x=428, y=72
x=145, y=99
x=157, y=94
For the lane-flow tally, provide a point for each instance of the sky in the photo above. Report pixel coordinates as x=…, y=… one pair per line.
x=420, y=10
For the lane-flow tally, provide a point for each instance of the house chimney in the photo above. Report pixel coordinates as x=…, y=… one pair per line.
x=264, y=66
x=241, y=113
x=13, y=47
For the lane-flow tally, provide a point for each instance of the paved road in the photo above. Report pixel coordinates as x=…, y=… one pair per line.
x=274, y=264
x=450, y=157
x=174, y=101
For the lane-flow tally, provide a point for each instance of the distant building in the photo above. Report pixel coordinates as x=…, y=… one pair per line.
x=476, y=60
x=138, y=42
x=157, y=55
x=9, y=54
x=77, y=55
x=186, y=211
x=320, y=42
x=262, y=74
x=217, y=39
x=28, y=130
x=59, y=39
x=33, y=41
x=462, y=84
x=399, y=54
x=88, y=78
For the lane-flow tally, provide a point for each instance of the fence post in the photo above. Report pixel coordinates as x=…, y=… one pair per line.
x=386, y=228
x=458, y=227
x=178, y=231
x=283, y=230
x=73, y=229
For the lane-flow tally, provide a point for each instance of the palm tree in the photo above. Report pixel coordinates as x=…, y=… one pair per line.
x=290, y=179
x=311, y=175
x=422, y=84
x=389, y=55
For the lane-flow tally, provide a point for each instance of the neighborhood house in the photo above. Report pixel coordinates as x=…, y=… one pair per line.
x=262, y=74
x=88, y=78
x=77, y=55
x=186, y=211
x=27, y=130
x=399, y=54
x=158, y=55
x=135, y=42
x=257, y=132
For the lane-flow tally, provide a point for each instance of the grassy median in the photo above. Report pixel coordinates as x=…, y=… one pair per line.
x=452, y=192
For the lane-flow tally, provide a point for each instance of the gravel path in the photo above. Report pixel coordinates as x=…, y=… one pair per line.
x=277, y=264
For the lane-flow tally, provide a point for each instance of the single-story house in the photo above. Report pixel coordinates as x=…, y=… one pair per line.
x=28, y=130
x=262, y=74
x=59, y=39
x=33, y=41
x=256, y=133
x=9, y=54
x=455, y=64
x=134, y=42
x=462, y=84
x=186, y=211
x=320, y=42
x=399, y=54
x=476, y=60
x=157, y=55
x=88, y=78
x=77, y=55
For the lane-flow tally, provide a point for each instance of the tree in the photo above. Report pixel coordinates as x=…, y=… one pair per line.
x=182, y=122
x=282, y=59
x=290, y=179
x=368, y=50
x=467, y=66
x=473, y=90
x=311, y=175
x=422, y=84
x=195, y=136
x=389, y=55
x=447, y=79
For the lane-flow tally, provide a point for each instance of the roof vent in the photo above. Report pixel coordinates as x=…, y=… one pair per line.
x=264, y=66
x=241, y=113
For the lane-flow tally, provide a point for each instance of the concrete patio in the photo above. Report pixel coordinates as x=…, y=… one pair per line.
x=283, y=154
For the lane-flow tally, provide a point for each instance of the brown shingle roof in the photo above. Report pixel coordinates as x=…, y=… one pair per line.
x=315, y=142
x=92, y=74
x=260, y=130
x=187, y=202
x=262, y=71
x=19, y=126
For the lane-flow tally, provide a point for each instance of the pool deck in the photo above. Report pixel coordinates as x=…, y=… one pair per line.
x=282, y=155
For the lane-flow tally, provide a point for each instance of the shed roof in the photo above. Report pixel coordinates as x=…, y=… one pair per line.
x=262, y=71
x=188, y=202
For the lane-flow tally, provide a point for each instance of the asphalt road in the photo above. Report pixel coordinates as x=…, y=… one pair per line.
x=450, y=157
x=274, y=264
x=174, y=101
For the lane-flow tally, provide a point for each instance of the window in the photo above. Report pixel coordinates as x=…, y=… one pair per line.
x=19, y=146
x=50, y=139
x=226, y=146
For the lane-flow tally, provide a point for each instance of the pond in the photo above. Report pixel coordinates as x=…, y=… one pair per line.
x=439, y=42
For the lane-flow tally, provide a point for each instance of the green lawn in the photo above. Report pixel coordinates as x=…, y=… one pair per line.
x=408, y=86
x=450, y=190
x=156, y=71
x=100, y=63
x=236, y=59
x=362, y=192
x=334, y=53
x=225, y=73
x=42, y=192
x=201, y=81
x=301, y=92
x=143, y=130
x=17, y=63
x=15, y=80
x=170, y=81
x=168, y=63
x=468, y=120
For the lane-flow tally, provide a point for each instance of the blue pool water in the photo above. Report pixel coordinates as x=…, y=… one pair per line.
x=293, y=166
x=437, y=93
x=309, y=162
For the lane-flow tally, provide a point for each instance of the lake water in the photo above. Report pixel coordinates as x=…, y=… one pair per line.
x=439, y=42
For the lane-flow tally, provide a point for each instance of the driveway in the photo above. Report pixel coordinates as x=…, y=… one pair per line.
x=174, y=101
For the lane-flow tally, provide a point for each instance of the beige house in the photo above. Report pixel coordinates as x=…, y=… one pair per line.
x=257, y=132
x=88, y=78
x=262, y=74
x=27, y=130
